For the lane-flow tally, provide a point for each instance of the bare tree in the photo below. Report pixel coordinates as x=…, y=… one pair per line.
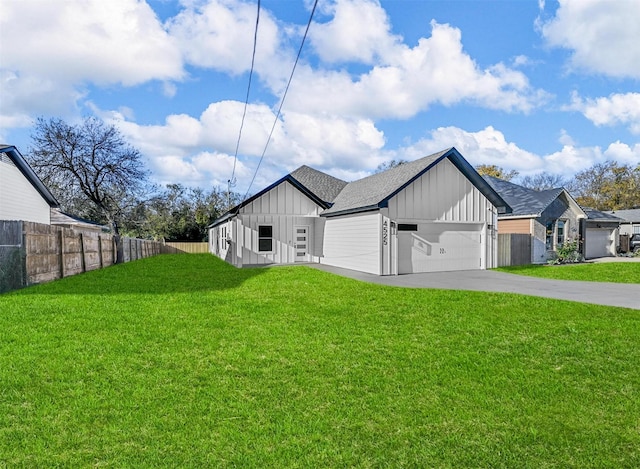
x=543, y=181
x=389, y=164
x=90, y=162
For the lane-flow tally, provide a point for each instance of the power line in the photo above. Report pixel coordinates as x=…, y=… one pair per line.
x=231, y=182
x=284, y=95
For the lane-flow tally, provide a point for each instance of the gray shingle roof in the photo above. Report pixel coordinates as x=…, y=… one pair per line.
x=321, y=184
x=597, y=215
x=374, y=191
x=524, y=201
x=632, y=215
x=370, y=191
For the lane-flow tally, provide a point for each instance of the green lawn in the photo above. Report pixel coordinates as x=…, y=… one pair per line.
x=617, y=272
x=184, y=361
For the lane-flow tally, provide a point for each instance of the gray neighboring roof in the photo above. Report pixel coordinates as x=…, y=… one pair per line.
x=20, y=163
x=374, y=192
x=60, y=218
x=597, y=215
x=524, y=201
x=321, y=184
x=629, y=216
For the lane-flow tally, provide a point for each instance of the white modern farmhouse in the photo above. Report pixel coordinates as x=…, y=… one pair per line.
x=23, y=196
x=433, y=214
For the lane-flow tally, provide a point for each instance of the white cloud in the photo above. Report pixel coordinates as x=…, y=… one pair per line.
x=219, y=35
x=359, y=31
x=345, y=146
x=52, y=51
x=602, y=35
x=408, y=80
x=68, y=41
x=489, y=146
x=617, y=109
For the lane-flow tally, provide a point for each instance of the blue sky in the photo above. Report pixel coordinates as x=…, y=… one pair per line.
x=527, y=85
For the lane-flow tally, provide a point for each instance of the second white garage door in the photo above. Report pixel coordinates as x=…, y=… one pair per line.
x=439, y=247
x=599, y=243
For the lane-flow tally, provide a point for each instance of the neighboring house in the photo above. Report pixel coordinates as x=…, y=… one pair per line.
x=23, y=196
x=69, y=221
x=551, y=217
x=600, y=234
x=630, y=223
x=432, y=214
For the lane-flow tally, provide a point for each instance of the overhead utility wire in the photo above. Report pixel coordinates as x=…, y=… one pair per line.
x=232, y=181
x=284, y=95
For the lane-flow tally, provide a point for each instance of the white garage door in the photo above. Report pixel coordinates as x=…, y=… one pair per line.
x=439, y=247
x=599, y=243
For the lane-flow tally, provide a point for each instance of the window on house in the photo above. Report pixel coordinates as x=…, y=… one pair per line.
x=636, y=229
x=561, y=227
x=407, y=227
x=265, y=238
x=550, y=230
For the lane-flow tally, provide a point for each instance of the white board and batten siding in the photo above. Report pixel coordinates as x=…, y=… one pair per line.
x=291, y=216
x=19, y=200
x=450, y=224
x=354, y=242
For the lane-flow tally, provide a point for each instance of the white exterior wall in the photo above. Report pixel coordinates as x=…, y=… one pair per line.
x=444, y=194
x=19, y=200
x=284, y=208
x=441, y=194
x=354, y=242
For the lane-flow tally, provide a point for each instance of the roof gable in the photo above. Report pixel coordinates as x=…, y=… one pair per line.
x=18, y=160
x=529, y=202
x=316, y=185
x=374, y=192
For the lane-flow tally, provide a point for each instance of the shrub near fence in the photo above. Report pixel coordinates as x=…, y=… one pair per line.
x=33, y=253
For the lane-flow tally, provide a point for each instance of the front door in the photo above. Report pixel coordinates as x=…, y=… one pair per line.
x=301, y=244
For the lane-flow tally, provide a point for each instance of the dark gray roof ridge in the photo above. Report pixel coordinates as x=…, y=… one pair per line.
x=323, y=185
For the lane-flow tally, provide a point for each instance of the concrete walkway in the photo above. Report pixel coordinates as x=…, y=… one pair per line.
x=610, y=294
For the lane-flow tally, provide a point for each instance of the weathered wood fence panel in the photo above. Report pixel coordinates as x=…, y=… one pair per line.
x=188, y=247
x=514, y=249
x=33, y=253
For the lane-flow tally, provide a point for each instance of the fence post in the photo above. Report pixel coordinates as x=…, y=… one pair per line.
x=83, y=261
x=100, y=251
x=61, y=241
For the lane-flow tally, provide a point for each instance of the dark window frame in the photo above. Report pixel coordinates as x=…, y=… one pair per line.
x=265, y=238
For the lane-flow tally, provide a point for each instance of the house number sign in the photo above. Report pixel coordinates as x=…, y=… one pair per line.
x=385, y=232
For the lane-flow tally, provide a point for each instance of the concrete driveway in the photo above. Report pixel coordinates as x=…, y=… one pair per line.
x=610, y=294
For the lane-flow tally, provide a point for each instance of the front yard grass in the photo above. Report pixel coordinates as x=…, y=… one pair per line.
x=184, y=361
x=616, y=272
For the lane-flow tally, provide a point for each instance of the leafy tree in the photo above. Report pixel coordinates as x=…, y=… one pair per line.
x=543, y=181
x=496, y=172
x=607, y=186
x=389, y=164
x=90, y=168
x=178, y=213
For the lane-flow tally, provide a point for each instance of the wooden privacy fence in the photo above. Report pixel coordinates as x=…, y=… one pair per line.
x=514, y=249
x=191, y=248
x=33, y=253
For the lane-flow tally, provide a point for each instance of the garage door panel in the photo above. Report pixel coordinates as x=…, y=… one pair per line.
x=599, y=243
x=437, y=247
